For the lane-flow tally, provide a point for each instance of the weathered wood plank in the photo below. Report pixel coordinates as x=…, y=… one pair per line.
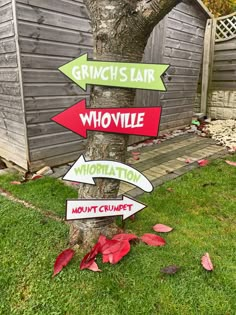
x=43, y=62
x=52, y=139
x=8, y=60
x=177, y=109
x=182, y=63
x=13, y=153
x=37, y=31
x=189, y=38
x=44, y=129
x=228, y=45
x=224, y=86
x=224, y=76
x=180, y=79
x=10, y=88
x=225, y=55
x=9, y=115
x=55, y=160
x=174, y=43
x=174, y=124
x=6, y=13
x=177, y=102
x=9, y=75
x=71, y=8
x=177, y=94
x=40, y=89
x=50, y=151
x=181, y=86
x=177, y=53
x=183, y=16
x=206, y=66
x=10, y=101
x=182, y=71
x=4, y=2
x=44, y=76
x=7, y=29
x=13, y=126
x=34, y=117
x=192, y=10
x=51, y=102
x=173, y=117
x=7, y=46
x=224, y=67
x=12, y=137
x=44, y=17
x=185, y=28
x=52, y=48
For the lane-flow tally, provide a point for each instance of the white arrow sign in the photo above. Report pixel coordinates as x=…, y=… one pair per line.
x=78, y=209
x=84, y=172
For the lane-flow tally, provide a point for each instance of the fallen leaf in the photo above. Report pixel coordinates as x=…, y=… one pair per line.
x=162, y=228
x=124, y=237
x=16, y=183
x=203, y=162
x=110, y=247
x=123, y=251
x=170, y=270
x=206, y=262
x=62, y=260
x=135, y=153
x=136, y=157
x=90, y=265
x=153, y=240
x=187, y=161
x=36, y=176
x=231, y=163
x=170, y=189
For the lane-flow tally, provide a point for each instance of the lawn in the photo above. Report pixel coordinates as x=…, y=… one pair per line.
x=200, y=206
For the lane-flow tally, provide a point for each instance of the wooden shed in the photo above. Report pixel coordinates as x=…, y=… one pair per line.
x=38, y=36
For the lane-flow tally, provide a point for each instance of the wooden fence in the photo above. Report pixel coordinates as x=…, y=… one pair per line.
x=219, y=63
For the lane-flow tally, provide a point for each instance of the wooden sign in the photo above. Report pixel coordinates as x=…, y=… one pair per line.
x=79, y=209
x=143, y=121
x=84, y=172
x=116, y=74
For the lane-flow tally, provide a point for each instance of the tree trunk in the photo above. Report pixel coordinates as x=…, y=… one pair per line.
x=121, y=29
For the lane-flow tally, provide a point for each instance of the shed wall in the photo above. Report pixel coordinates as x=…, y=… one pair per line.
x=12, y=124
x=51, y=34
x=180, y=44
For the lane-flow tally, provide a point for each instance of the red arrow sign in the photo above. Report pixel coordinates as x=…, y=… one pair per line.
x=143, y=121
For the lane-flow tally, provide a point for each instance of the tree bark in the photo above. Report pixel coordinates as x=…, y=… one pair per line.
x=121, y=29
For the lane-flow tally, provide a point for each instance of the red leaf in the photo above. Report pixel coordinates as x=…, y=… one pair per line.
x=114, y=258
x=132, y=217
x=89, y=264
x=135, y=153
x=203, y=162
x=162, y=228
x=117, y=256
x=153, y=240
x=16, y=183
x=187, y=161
x=231, y=163
x=124, y=237
x=62, y=260
x=136, y=157
x=36, y=176
x=206, y=262
x=110, y=247
x=94, y=267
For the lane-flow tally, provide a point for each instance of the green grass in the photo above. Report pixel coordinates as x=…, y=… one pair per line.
x=204, y=220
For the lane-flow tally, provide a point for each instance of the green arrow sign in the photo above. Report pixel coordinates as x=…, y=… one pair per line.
x=117, y=74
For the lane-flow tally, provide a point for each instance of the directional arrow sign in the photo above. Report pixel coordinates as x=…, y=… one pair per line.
x=84, y=172
x=117, y=74
x=142, y=121
x=78, y=209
